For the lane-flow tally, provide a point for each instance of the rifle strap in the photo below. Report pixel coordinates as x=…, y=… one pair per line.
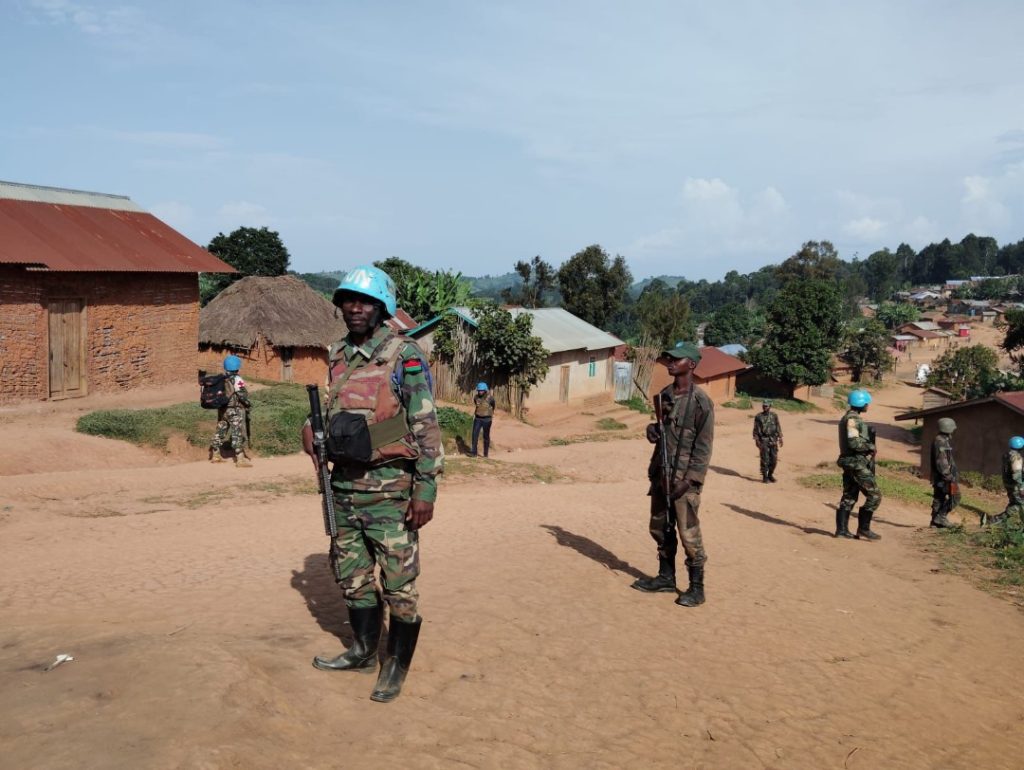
x=682, y=427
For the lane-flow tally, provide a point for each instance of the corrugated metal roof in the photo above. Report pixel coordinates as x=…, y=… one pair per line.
x=561, y=330
x=66, y=230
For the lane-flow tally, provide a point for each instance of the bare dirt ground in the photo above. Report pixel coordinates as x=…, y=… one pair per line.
x=193, y=596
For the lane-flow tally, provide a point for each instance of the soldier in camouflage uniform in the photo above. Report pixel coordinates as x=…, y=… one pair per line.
x=688, y=424
x=1013, y=481
x=857, y=459
x=768, y=437
x=945, y=477
x=231, y=418
x=382, y=504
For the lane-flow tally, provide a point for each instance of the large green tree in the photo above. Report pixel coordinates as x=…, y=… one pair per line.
x=866, y=349
x=538, y=279
x=422, y=293
x=507, y=346
x=251, y=251
x=593, y=285
x=663, y=315
x=733, y=323
x=965, y=372
x=894, y=314
x=804, y=329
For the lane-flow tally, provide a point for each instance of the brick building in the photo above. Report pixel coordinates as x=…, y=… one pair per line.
x=716, y=374
x=95, y=295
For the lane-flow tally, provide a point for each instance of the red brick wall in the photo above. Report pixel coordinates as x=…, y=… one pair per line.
x=140, y=329
x=309, y=365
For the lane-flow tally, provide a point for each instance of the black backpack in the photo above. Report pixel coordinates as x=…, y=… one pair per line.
x=215, y=391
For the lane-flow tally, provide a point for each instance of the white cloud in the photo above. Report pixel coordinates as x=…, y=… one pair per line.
x=984, y=204
x=178, y=215
x=864, y=228
x=119, y=21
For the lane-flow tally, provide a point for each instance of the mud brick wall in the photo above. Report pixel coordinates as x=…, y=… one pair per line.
x=141, y=329
x=309, y=365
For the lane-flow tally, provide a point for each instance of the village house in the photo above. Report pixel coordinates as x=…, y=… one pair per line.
x=580, y=363
x=96, y=295
x=716, y=373
x=983, y=429
x=279, y=326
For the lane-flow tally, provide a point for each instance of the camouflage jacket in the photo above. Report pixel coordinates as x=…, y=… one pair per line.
x=943, y=462
x=689, y=438
x=767, y=429
x=394, y=478
x=854, y=436
x=1013, y=469
x=238, y=398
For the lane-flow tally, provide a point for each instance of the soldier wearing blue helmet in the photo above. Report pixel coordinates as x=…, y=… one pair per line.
x=483, y=416
x=384, y=445
x=1013, y=481
x=232, y=418
x=857, y=459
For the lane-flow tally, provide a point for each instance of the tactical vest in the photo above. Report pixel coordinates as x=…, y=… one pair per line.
x=1011, y=459
x=483, y=406
x=368, y=388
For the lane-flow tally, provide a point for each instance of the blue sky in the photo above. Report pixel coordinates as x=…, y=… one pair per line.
x=692, y=138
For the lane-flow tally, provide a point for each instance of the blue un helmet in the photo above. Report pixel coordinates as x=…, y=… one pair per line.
x=859, y=398
x=371, y=282
x=1017, y=442
x=482, y=386
x=232, y=364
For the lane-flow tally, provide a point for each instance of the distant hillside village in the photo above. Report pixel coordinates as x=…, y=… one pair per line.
x=98, y=295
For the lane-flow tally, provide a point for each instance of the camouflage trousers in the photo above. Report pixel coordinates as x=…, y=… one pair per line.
x=687, y=525
x=769, y=457
x=943, y=503
x=372, y=533
x=858, y=478
x=1015, y=505
x=231, y=427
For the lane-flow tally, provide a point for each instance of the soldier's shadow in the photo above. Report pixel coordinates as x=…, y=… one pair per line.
x=322, y=596
x=730, y=472
x=774, y=520
x=590, y=549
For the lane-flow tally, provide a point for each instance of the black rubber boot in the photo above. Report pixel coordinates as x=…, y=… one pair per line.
x=362, y=655
x=694, y=595
x=843, y=524
x=664, y=581
x=942, y=522
x=402, y=638
x=864, y=527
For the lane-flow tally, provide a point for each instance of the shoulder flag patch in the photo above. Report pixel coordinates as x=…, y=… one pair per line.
x=412, y=366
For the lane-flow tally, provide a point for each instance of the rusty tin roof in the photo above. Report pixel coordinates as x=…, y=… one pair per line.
x=70, y=230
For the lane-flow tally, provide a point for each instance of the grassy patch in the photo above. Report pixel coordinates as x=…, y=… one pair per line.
x=637, y=404
x=610, y=423
x=277, y=415
x=982, y=481
x=583, y=438
x=746, y=401
x=739, y=401
x=456, y=426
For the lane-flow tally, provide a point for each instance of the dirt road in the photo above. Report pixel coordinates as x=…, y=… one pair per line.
x=193, y=596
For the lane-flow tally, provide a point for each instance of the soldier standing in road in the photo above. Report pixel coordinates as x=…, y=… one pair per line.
x=483, y=416
x=1013, y=481
x=945, y=477
x=857, y=459
x=231, y=418
x=768, y=437
x=379, y=409
x=688, y=426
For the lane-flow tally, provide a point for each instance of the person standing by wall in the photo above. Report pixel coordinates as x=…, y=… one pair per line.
x=483, y=416
x=945, y=477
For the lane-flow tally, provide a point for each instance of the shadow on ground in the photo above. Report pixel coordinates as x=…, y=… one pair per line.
x=730, y=472
x=774, y=520
x=590, y=549
x=323, y=597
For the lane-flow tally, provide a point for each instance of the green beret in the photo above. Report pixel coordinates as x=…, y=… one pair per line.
x=767, y=402
x=683, y=350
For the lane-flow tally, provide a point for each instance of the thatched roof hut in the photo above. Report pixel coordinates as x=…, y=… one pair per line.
x=284, y=310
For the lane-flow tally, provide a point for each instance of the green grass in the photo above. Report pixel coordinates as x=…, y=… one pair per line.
x=610, y=423
x=747, y=401
x=277, y=415
x=739, y=401
x=637, y=404
x=455, y=425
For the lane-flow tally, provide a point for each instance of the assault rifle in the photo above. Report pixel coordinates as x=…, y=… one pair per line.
x=874, y=448
x=316, y=422
x=666, y=466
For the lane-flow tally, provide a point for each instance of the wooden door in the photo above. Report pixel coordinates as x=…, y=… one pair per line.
x=563, y=385
x=287, y=354
x=67, y=348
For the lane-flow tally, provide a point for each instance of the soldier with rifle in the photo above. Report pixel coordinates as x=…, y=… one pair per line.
x=381, y=438
x=684, y=434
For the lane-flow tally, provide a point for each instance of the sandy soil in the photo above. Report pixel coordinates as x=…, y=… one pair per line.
x=193, y=596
